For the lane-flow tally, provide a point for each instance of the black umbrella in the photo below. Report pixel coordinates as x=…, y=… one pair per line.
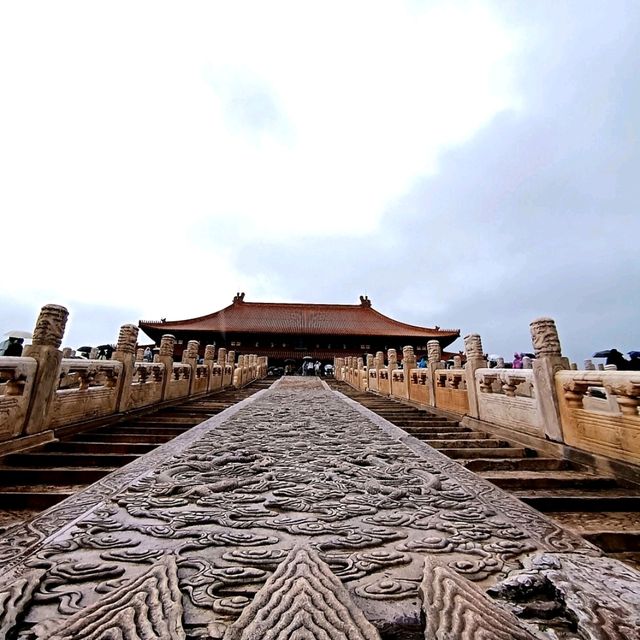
x=634, y=354
x=603, y=354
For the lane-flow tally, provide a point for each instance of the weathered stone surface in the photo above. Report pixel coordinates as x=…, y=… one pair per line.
x=597, y=598
x=545, y=339
x=146, y=608
x=50, y=325
x=302, y=599
x=296, y=467
x=456, y=608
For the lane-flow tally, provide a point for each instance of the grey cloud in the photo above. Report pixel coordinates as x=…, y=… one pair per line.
x=536, y=215
x=250, y=106
x=88, y=324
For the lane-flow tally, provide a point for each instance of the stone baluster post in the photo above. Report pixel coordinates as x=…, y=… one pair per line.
x=222, y=356
x=392, y=365
x=238, y=372
x=209, y=360
x=93, y=354
x=190, y=357
x=500, y=363
x=165, y=357
x=370, y=365
x=379, y=364
x=409, y=362
x=457, y=362
x=359, y=373
x=589, y=366
x=549, y=360
x=139, y=355
x=434, y=356
x=45, y=349
x=126, y=353
x=475, y=360
x=527, y=363
x=67, y=352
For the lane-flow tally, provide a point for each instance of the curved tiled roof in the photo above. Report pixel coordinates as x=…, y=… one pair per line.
x=301, y=319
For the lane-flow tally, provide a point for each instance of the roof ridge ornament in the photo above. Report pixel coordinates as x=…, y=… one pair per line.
x=364, y=301
x=239, y=297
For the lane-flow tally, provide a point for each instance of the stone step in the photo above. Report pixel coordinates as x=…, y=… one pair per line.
x=53, y=476
x=448, y=435
x=32, y=499
x=515, y=464
x=417, y=424
x=547, y=480
x=168, y=421
x=144, y=438
x=152, y=431
x=109, y=446
x=604, y=500
x=475, y=443
x=44, y=459
x=498, y=452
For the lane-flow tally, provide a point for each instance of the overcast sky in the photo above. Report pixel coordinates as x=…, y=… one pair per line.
x=471, y=165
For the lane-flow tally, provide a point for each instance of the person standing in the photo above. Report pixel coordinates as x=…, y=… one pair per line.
x=14, y=348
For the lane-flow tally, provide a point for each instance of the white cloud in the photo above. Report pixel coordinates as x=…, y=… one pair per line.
x=127, y=128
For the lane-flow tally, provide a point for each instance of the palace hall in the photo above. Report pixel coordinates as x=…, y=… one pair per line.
x=293, y=331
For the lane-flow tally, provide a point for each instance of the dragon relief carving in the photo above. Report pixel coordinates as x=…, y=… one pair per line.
x=297, y=480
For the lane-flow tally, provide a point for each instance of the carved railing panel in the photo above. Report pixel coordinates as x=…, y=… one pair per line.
x=451, y=390
x=599, y=412
x=419, y=386
x=398, y=385
x=88, y=389
x=16, y=383
x=507, y=397
x=146, y=385
x=178, y=383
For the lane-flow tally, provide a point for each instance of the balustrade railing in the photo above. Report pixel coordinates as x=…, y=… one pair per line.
x=594, y=411
x=17, y=376
x=599, y=411
x=43, y=391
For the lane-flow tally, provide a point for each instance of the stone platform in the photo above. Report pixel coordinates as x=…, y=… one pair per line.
x=300, y=514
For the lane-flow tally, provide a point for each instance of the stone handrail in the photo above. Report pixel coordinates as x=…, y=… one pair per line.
x=594, y=411
x=92, y=391
x=450, y=390
x=599, y=411
x=506, y=397
x=42, y=391
x=17, y=376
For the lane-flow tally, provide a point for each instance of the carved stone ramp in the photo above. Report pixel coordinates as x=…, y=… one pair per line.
x=593, y=505
x=43, y=476
x=296, y=484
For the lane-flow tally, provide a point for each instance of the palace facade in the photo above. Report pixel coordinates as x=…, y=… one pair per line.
x=292, y=331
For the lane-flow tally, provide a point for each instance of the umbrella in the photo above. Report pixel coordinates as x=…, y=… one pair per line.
x=18, y=334
x=634, y=354
x=603, y=354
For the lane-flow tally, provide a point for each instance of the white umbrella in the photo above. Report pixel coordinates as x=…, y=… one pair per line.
x=18, y=334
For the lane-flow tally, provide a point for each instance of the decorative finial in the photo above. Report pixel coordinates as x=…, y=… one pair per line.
x=364, y=301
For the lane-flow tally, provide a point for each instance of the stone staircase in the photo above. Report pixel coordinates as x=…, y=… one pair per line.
x=594, y=505
x=34, y=480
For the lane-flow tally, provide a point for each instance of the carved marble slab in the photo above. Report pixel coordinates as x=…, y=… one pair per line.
x=296, y=481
